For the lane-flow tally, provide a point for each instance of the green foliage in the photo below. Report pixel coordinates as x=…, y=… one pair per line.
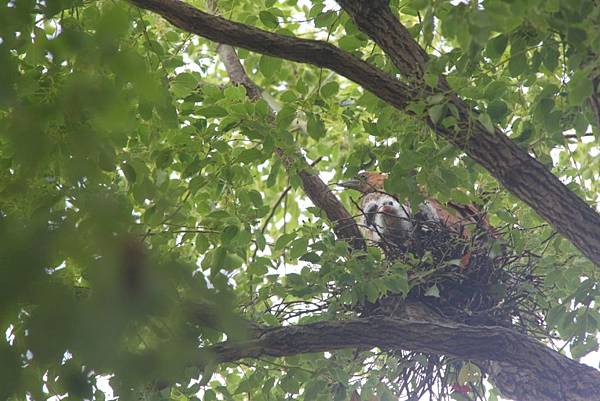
x=137, y=187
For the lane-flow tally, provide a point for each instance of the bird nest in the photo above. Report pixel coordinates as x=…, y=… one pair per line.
x=474, y=278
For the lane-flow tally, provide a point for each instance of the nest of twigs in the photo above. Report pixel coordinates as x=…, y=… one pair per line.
x=472, y=277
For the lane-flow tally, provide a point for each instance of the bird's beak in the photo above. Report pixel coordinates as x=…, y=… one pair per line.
x=351, y=184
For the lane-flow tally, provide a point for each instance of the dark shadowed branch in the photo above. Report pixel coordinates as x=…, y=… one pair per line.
x=521, y=367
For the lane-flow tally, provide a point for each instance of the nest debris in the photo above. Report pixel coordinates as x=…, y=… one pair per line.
x=474, y=279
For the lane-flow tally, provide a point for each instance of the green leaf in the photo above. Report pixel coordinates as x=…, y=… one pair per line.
x=232, y=261
x=250, y=155
x=202, y=243
x=313, y=388
x=229, y=233
x=495, y=90
x=325, y=19
x=289, y=384
x=580, y=88
x=497, y=110
x=398, y=283
x=255, y=198
x=235, y=92
x=212, y=111
x=163, y=158
x=433, y=291
x=436, y=112
x=268, y=19
x=486, y=121
x=315, y=126
x=329, y=89
x=550, y=55
x=283, y=240
x=298, y=248
x=269, y=66
x=517, y=64
x=506, y=216
x=129, y=172
x=285, y=117
x=496, y=46
x=469, y=373
x=184, y=84
x=258, y=268
x=350, y=42
x=372, y=291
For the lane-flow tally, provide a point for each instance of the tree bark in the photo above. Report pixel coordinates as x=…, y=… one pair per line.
x=520, y=367
x=512, y=166
x=520, y=173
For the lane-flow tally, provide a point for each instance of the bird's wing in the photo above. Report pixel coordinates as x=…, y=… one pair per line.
x=475, y=216
x=445, y=216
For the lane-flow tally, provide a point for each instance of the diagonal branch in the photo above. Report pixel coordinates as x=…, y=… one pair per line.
x=521, y=367
x=319, y=53
x=512, y=166
x=519, y=172
x=319, y=193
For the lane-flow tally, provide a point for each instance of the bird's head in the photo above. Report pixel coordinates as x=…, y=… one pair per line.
x=366, y=182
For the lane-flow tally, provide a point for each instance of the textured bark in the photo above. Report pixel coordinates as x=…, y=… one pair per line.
x=520, y=173
x=512, y=166
x=522, y=368
x=314, y=52
x=236, y=71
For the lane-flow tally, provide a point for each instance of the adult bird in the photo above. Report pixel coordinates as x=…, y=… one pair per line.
x=458, y=218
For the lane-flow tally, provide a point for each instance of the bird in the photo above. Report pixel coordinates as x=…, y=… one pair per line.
x=384, y=218
x=455, y=216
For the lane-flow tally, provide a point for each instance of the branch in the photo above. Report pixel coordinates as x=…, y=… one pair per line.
x=319, y=193
x=520, y=173
x=521, y=367
x=319, y=53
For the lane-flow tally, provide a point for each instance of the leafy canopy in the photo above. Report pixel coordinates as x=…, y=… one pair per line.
x=136, y=184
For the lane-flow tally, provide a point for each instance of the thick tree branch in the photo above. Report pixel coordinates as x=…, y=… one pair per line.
x=521, y=367
x=512, y=166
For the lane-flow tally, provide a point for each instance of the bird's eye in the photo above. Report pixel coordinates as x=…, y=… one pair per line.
x=372, y=209
x=363, y=176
